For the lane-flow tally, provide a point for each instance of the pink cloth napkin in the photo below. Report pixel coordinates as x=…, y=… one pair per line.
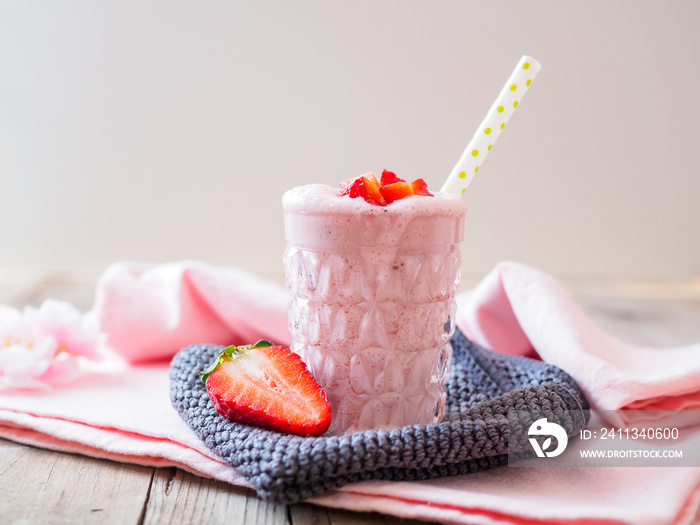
x=152, y=312
x=149, y=313
x=522, y=311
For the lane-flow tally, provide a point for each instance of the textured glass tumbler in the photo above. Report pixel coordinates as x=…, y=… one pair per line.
x=371, y=310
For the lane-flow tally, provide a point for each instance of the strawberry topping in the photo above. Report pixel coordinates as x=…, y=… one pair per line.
x=396, y=190
x=365, y=186
x=389, y=177
x=389, y=189
x=420, y=188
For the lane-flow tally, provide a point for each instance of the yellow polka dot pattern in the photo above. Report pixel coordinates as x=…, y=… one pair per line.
x=491, y=127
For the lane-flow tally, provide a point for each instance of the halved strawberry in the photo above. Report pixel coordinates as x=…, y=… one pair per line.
x=365, y=186
x=420, y=187
x=389, y=177
x=267, y=386
x=396, y=191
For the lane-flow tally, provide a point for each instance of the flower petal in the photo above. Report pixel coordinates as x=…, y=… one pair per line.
x=20, y=361
x=61, y=371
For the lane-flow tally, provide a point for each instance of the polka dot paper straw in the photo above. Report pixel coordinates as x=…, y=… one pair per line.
x=491, y=127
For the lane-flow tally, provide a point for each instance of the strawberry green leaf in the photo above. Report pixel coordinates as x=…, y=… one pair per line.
x=230, y=352
x=226, y=353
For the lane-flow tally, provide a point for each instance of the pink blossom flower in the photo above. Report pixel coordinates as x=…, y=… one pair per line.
x=43, y=347
x=76, y=334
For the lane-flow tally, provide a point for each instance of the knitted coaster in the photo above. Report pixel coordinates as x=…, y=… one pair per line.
x=483, y=387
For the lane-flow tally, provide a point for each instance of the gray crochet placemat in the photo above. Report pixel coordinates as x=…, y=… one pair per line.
x=483, y=387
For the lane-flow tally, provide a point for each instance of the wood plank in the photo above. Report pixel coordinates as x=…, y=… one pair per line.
x=179, y=497
x=18, y=289
x=646, y=322
x=15, y=283
x=82, y=297
x=307, y=514
x=40, y=486
x=32, y=288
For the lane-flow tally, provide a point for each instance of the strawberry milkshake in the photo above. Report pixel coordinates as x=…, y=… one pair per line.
x=372, y=283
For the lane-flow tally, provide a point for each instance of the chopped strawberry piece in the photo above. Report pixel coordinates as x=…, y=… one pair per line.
x=371, y=189
x=389, y=177
x=267, y=386
x=420, y=187
x=349, y=187
x=396, y=191
x=365, y=186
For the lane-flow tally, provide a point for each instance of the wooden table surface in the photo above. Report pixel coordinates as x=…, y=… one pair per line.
x=44, y=487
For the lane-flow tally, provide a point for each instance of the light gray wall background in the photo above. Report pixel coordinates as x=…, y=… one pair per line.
x=157, y=131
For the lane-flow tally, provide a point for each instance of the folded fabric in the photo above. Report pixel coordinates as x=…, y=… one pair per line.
x=150, y=312
x=522, y=311
x=127, y=416
x=483, y=389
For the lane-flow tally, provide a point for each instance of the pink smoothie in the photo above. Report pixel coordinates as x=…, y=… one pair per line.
x=372, y=301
